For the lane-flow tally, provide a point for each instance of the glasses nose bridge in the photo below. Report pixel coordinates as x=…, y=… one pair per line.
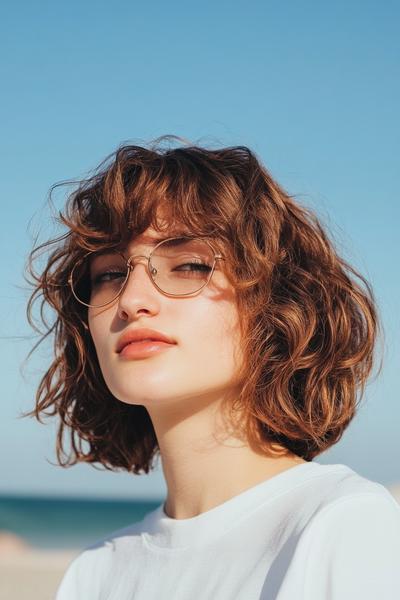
x=130, y=264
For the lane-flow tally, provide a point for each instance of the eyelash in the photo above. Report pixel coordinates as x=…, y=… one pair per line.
x=97, y=279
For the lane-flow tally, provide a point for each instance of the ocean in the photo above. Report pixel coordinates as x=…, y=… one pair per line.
x=68, y=522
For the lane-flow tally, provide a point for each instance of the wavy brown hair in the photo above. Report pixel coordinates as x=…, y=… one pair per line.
x=308, y=319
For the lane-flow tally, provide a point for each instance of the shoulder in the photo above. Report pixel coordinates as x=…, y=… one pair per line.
x=349, y=500
x=326, y=486
x=352, y=543
x=347, y=512
x=89, y=573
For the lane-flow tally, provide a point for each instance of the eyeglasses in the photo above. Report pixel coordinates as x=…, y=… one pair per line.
x=178, y=266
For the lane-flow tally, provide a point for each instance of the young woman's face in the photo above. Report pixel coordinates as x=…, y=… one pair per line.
x=199, y=366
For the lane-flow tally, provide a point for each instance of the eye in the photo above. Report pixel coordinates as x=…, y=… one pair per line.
x=107, y=275
x=197, y=266
x=191, y=269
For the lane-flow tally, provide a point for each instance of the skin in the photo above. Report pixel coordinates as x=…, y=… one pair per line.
x=205, y=461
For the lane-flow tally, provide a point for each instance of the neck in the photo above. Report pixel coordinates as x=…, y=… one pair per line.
x=204, y=462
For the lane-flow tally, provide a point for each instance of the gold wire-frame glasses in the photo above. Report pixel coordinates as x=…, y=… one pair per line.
x=151, y=270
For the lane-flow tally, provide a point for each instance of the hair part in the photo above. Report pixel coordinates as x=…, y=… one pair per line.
x=308, y=319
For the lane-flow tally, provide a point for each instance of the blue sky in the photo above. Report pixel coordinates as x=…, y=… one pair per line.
x=311, y=87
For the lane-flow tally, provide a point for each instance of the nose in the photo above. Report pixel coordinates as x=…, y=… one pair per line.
x=139, y=291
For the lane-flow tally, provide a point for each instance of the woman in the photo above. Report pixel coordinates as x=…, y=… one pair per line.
x=204, y=317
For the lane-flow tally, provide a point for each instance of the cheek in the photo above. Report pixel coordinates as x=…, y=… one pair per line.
x=99, y=327
x=214, y=342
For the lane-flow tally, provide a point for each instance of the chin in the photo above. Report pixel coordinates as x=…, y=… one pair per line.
x=146, y=397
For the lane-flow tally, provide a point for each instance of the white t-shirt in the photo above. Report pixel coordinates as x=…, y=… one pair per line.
x=312, y=532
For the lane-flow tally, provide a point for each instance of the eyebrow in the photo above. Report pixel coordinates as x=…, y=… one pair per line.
x=153, y=240
x=148, y=239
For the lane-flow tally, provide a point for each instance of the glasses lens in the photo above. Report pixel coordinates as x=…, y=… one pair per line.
x=182, y=265
x=99, y=277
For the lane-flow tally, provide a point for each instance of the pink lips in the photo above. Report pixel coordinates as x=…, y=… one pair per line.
x=143, y=342
x=143, y=349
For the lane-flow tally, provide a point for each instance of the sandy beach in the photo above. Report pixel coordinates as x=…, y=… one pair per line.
x=27, y=573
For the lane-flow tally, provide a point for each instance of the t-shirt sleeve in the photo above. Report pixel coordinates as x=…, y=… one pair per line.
x=68, y=587
x=85, y=576
x=354, y=550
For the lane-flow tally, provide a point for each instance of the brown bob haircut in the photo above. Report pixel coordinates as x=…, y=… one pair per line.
x=308, y=319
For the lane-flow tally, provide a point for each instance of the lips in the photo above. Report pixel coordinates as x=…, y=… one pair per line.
x=137, y=335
